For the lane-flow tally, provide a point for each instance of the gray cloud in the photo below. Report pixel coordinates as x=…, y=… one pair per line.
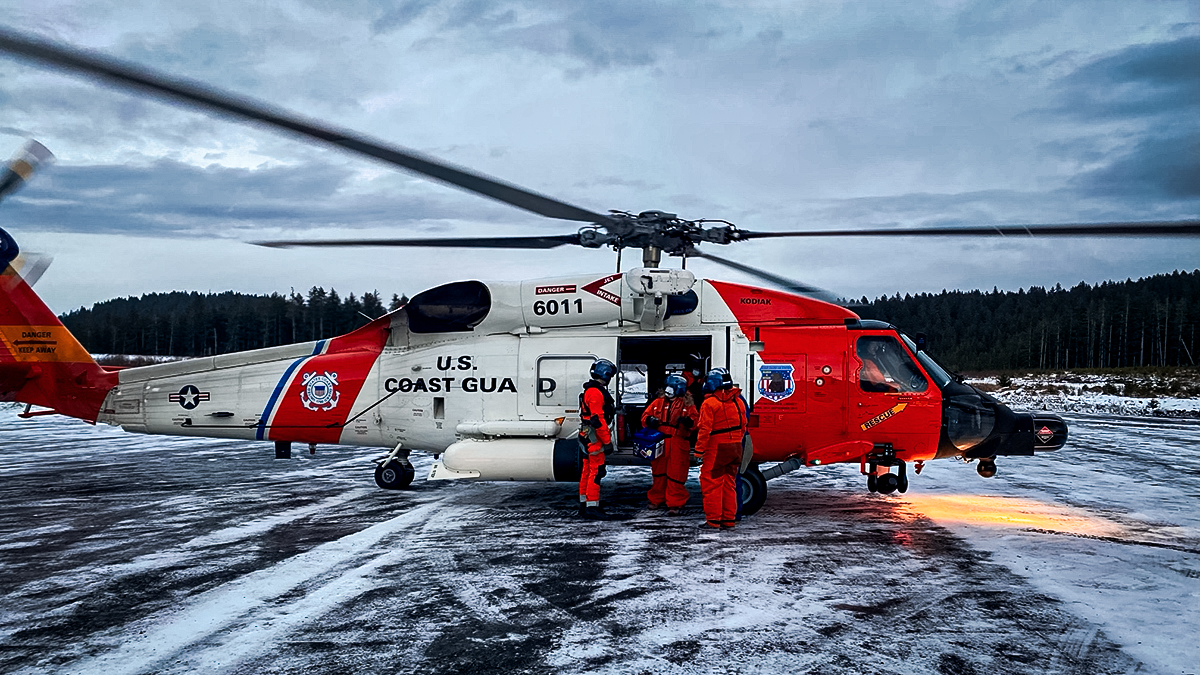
x=169, y=198
x=1156, y=88
x=772, y=116
x=1158, y=168
x=1139, y=82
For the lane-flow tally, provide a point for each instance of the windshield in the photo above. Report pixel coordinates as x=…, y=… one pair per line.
x=886, y=367
x=940, y=377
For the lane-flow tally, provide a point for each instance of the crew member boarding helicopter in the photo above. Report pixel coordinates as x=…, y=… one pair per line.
x=486, y=375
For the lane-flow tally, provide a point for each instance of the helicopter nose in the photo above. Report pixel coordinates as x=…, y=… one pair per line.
x=1021, y=434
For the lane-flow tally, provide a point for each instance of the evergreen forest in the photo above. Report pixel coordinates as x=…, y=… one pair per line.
x=202, y=324
x=1117, y=324
x=1150, y=322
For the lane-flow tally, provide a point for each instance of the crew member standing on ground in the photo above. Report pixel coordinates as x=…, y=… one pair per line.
x=674, y=415
x=596, y=411
x=719, y=442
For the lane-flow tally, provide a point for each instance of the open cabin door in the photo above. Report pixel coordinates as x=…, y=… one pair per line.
x=553, y=371
x=644, y=365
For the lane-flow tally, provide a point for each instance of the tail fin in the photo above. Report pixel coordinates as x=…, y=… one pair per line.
x=40, y=361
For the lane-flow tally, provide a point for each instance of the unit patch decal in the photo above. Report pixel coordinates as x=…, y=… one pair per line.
x=320, y=391
x=884, y=416
x=1044, y=434
x=775, y=381
x=189, y=397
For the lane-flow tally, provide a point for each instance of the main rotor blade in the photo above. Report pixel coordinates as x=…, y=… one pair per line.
x=194, y=93
x=22, y=166
x=1175, y=228
x=552, y=241
x=782, y=282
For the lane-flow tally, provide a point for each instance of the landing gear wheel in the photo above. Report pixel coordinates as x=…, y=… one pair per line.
x=902, y=479
x=887, y=483
x=872, y=483
x=986, y=468
x=394, y=475
x=754, y=490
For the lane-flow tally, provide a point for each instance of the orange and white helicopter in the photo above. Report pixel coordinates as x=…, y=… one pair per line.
x=486, y=375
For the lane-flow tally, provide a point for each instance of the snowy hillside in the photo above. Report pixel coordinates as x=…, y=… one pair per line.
x=1177, y=395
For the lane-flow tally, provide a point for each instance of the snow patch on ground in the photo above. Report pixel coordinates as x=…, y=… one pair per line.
x=1097, y=394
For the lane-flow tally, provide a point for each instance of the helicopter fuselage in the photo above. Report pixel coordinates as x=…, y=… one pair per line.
x=486, y=376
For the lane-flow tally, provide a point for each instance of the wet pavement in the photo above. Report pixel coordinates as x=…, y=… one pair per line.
x=133, y=554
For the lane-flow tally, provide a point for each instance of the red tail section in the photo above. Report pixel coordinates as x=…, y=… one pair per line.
x=40, y=361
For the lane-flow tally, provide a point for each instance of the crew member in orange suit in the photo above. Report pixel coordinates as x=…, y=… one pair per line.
x=596, y=411
x=719, y=442
x=674, y=415
x=871, y=376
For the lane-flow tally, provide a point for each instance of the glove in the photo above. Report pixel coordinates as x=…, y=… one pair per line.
x=653, y=422
x=593, y=422
x=601, y=473
x=607, y=448
x=686, y=422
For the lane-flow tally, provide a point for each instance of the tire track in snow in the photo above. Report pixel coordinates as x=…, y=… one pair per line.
x=236, y=619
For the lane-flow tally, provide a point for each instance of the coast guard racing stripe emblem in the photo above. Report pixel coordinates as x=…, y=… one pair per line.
x=320, y=391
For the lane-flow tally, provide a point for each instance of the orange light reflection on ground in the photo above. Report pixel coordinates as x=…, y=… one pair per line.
x=1009, y=512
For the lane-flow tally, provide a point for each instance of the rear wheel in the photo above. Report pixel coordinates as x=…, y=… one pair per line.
x=754, y=490
x=394, y=475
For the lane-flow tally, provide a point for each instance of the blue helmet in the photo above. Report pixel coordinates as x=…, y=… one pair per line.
x=717, y=378
x=603, y=370
x=674, y=386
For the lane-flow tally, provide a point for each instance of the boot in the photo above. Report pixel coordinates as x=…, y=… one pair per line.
x=594, y=513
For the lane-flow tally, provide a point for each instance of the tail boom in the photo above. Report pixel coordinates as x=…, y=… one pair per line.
x=41, y=362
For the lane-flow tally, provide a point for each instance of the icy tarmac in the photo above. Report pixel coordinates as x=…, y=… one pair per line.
x=132, y=554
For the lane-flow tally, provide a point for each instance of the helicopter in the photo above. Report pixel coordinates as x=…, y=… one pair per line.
x=485, y=375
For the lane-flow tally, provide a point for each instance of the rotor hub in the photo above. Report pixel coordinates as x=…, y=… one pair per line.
x=656, y=233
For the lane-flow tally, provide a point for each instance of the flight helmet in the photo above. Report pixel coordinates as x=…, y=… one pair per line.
x=674, y=386
x=603, y=370
x=717, y=378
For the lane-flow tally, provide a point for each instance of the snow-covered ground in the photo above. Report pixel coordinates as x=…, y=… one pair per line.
x=134, y=554
x=1138, y=395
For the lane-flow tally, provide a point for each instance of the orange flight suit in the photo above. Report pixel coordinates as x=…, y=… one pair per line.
x=719, y=441
x=671, y=469
x=592, y=408
x=873, y=375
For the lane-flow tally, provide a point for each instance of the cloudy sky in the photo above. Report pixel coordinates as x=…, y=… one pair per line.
x=775, y=116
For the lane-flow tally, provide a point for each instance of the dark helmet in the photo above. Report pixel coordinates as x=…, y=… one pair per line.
x=675, y=386
x=717, y=378
x=603, y=370
x=694, y=362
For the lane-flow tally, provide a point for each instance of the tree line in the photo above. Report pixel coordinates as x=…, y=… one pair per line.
x=203, y=324
x=1116, y=324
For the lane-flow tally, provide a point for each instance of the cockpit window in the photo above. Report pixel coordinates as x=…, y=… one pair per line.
x=939, y=374
x=887, y=367
x=457, y=306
